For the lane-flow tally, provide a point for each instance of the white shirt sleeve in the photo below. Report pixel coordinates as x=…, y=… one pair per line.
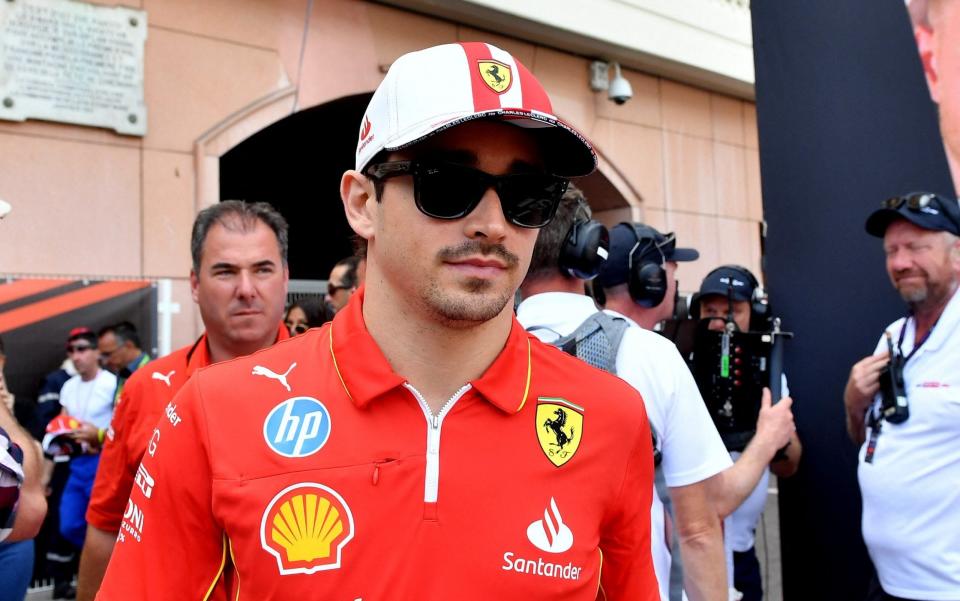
x=691, y=446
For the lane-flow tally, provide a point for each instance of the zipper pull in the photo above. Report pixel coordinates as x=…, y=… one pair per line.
x=436, y=422
x=376, y=469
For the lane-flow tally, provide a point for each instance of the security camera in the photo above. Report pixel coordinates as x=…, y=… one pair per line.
x=618, y=88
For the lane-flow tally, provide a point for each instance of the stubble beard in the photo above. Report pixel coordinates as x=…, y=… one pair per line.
x=476, y=302
x=914, y=296
x=473, y=300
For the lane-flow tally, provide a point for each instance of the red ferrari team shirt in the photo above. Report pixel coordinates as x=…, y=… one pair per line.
x=311, y=470
x=145, y=397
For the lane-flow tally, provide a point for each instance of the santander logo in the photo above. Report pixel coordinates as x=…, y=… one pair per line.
x=550, y=534
x=365, y=130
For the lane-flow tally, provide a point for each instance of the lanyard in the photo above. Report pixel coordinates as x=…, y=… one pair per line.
x=903, y=333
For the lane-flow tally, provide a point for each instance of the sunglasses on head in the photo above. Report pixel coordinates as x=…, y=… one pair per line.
x=664, y=247
x=451, y=191
x=914, y=202
x=78, y=348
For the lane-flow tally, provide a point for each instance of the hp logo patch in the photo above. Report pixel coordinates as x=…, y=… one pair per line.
x=297, y=427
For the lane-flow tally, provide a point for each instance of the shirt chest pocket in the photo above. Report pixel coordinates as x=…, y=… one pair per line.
x=937, y=404
x=314, y=519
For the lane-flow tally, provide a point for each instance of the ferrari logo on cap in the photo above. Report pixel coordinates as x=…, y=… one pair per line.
x=559, y=429
x=498, y=76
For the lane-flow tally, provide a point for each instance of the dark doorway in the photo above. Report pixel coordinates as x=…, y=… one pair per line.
x=295, y=165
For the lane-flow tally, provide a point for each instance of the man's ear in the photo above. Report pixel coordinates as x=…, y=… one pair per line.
x=955, y=253
x=194, y=286
x=926, y=46
x=359, y=200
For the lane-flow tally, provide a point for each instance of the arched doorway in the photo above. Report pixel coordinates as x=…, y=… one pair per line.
x=295, y=165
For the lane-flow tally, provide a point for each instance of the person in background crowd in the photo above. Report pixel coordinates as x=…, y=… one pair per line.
x=58, y=554
x=343, y=282
x=553, y=307
x=730, y=290
x=903, y=406
x=120, y=352
x=437, y=447
x=306, y=313
x=48, y=399
x=22, y=502
x=239, y=282
x=647, y=296
x=88, y=398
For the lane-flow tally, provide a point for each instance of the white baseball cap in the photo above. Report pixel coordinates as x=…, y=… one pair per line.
x=431, y=90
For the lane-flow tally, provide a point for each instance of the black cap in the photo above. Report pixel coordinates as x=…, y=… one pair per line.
x=923, y=209
x=616, y=269
x=728, y=281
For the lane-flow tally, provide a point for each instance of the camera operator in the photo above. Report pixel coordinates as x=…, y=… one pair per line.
x=903, y=406
x=732, y=294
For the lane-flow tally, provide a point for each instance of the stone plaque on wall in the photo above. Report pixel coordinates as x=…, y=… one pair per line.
x=68, y=61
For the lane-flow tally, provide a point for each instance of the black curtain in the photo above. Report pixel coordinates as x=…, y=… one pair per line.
x=845, y=121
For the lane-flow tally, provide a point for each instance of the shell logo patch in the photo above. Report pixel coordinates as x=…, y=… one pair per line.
x=498, y=76
x=305, y=527
x=559, y=428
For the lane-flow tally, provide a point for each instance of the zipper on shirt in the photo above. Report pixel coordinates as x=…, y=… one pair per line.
x=434, y=425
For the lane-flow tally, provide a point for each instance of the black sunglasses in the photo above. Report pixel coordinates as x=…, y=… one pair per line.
x=451, y=191
x=332, y=288
x=914, y=202
x=78, y=348
x=299, y=328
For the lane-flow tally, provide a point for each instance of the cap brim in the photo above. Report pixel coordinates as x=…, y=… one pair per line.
x=684, y=254
x=723, y=290
x=879, y=220
x=568, y=153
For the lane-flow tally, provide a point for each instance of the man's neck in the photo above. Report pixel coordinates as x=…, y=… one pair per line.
x=556, y=283
x=624, y=305
x=222, y=350
x=130, y=358
x=925, y=315
x=436, y=358
x=90, y=374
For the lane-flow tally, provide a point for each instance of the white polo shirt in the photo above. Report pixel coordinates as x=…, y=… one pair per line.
x=90, y=401
x=691, y=447
x=911, y=491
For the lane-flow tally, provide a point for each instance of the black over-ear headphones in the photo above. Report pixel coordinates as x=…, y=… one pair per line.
x=759, y=299
x=647, y=280
x=586, y=246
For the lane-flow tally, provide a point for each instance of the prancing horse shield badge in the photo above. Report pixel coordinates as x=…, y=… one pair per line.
x=498, y=76
x=559, y=428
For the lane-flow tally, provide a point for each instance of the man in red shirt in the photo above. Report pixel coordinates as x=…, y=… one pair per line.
x=239, y=281
x=422, y=445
